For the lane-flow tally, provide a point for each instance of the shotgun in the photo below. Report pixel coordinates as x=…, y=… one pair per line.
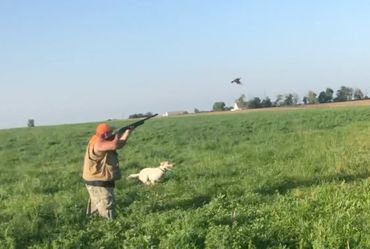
x=111, y=135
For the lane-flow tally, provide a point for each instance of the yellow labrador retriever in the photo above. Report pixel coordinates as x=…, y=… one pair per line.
x=150, y=176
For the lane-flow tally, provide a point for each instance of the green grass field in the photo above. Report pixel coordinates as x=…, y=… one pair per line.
x=295, y=179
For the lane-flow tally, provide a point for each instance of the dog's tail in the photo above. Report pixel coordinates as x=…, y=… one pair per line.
x=133, y=176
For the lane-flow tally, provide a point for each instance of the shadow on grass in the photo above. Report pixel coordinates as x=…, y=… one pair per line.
x=133, y=165
x=289, y=183
x=183, y=204
x=129, y=198
x=192, y=203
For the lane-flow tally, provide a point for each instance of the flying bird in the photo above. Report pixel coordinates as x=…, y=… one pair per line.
x=237, y=81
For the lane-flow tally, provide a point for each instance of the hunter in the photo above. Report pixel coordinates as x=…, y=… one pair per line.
x=101, y=170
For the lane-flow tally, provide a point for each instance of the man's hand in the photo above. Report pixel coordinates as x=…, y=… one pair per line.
x=125, y=135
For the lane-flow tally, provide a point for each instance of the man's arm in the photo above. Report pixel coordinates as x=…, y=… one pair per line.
x=117, y=143
x=123, y=138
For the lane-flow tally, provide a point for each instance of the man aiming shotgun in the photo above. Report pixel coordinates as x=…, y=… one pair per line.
x=111, y=135
x=101, y=166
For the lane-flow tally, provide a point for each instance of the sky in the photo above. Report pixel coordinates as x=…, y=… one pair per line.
x=77, y=61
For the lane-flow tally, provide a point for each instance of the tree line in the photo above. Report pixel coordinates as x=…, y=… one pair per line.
x=326, y=96
x=140, y=115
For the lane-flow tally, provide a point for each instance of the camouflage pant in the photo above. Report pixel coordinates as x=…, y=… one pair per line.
x=101, y=201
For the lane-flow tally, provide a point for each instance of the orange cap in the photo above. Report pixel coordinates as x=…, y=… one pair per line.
x=102, y=128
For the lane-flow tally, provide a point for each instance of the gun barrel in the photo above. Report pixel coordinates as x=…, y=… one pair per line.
x=130, y=126
x=149, y=117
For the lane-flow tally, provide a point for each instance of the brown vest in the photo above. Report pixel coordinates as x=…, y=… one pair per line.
x=100, y=167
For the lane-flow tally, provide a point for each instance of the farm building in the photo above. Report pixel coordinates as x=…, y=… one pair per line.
x=236, y=107
x=174, y=113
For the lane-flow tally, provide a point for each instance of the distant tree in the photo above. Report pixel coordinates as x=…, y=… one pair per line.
x=140, y=115
x=358, y=94
x=279, y=100
x=295, y=98
x=322, y=97
x=329, y=95
x=255, y=103
x=326, y=96
x=266, y=102
x=31, y=123
x=218, y=106
x=344, y=94
x=135, y=115
x=241, y=101
x=311, y=97
x=288, y=99
x=196, y=110
x=305, y=100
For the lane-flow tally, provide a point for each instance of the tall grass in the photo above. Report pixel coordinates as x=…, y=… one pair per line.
x=295, y=179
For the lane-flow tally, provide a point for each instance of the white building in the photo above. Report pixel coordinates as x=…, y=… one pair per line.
x=236, y=107
x=174, y=113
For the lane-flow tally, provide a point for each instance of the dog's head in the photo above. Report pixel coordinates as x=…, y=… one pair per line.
x=165, y=165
